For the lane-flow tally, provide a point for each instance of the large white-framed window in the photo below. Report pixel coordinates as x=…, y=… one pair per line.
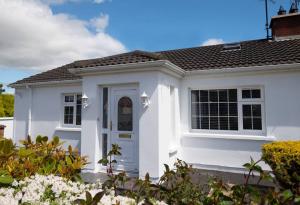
x=72, y=106
x=234, y=110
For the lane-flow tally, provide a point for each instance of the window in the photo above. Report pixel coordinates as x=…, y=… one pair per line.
x=125, y=117
x=252, y=109
x=227, y=109
x=215, y=109
x=72, y=109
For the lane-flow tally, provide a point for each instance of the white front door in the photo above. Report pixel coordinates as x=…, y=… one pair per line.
x=124, y=126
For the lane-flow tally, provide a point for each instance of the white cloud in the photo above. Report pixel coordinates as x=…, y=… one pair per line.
x=100, y=23
x=213, y=41
x=32, y=37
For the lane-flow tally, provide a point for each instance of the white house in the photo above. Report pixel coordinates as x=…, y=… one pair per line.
x=212, y=106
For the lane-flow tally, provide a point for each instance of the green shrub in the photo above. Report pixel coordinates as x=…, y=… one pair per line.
x=6, y=105
x=41, y=157
x=284, y=159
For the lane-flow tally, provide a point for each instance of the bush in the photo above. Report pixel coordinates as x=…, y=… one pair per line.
x=6, y=105
x=284, y=159
x=39, y=157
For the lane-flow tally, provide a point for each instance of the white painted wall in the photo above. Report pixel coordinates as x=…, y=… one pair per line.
x=231, y=151
x=45, y=113
x=158, y=143
x=9, y=123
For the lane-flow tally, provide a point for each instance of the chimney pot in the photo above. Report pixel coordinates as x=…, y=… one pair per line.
x=294, y=8
x=281, y=11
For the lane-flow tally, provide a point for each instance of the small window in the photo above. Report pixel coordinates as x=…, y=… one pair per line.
x=125, y=117
x=72, y=109
x=105, y=108
x=251, y=94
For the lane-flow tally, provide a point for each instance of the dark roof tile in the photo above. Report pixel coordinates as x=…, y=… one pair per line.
x=252, y=53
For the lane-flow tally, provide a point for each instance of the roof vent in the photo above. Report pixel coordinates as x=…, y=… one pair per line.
x=281, y=11
x=231, y=47
x=294, y=8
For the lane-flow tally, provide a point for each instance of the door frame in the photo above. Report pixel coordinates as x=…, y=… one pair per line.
x=108, y=130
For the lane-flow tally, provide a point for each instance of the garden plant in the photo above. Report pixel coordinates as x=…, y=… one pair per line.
x=41, y=172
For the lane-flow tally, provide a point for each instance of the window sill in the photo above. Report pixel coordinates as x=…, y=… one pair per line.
x=68, y=129
x=230, y=136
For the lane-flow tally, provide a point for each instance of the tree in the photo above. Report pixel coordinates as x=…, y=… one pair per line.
x=6, y=105
x=1, y=89
x=1, y=108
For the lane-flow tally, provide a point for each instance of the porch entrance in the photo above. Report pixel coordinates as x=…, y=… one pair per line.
x=124, y=126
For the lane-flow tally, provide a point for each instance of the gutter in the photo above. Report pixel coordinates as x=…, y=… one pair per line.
x=57, y=82
x=164, y=66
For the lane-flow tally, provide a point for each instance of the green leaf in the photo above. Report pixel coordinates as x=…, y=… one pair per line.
x=89, y=197
x=287, y=194
x=6, y=179
x=98, y=197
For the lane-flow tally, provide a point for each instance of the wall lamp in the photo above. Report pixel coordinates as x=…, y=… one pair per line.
x=145, y=99
x=85, y=101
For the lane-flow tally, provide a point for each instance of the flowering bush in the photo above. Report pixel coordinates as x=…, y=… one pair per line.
x=284, y=159
x=54, y=190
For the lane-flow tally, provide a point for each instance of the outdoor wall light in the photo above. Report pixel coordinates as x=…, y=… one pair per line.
x=145, y=99
x=85, y=101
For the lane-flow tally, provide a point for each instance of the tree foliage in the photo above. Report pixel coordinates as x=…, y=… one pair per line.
x=6, y=105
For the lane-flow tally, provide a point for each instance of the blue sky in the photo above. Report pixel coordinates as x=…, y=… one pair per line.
x=147, y=25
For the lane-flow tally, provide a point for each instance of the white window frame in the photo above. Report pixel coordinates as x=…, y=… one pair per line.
x=240, y=103
x=71, y=104
x=252, y=101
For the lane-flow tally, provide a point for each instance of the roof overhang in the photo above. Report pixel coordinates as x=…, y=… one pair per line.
x=263, y=68
x=164, y=66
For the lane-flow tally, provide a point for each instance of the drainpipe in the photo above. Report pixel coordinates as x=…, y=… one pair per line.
x=28, y=128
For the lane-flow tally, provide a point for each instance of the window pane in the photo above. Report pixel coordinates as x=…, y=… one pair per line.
x=195, y=109
x=247, y=123
x=247, y=110
x=69, y=98
x=204, y=123
x=223, y=109
x=233, y=95
x=256, y=93
x=214, y=123
x=257, y=125
x=223, y=123
x=233, y=109
x=204, y=109
x=195, y=96
x=233, y=123
x=105, y=108
x=68, y=114
x=125, y=116
x=104, y=145
x=213, y=96
x=246, y=94
x=204, y=96
x=213, y=109
x=223, y=96
x=195, y=123
x=78, y=109
x=256, y=110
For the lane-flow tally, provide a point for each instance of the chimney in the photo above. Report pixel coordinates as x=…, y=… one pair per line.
x=286, y=26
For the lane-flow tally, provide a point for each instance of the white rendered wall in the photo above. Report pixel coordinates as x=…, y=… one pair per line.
x=148, y=119
x=230, y=151
x=9, y=123
x=46, y=113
